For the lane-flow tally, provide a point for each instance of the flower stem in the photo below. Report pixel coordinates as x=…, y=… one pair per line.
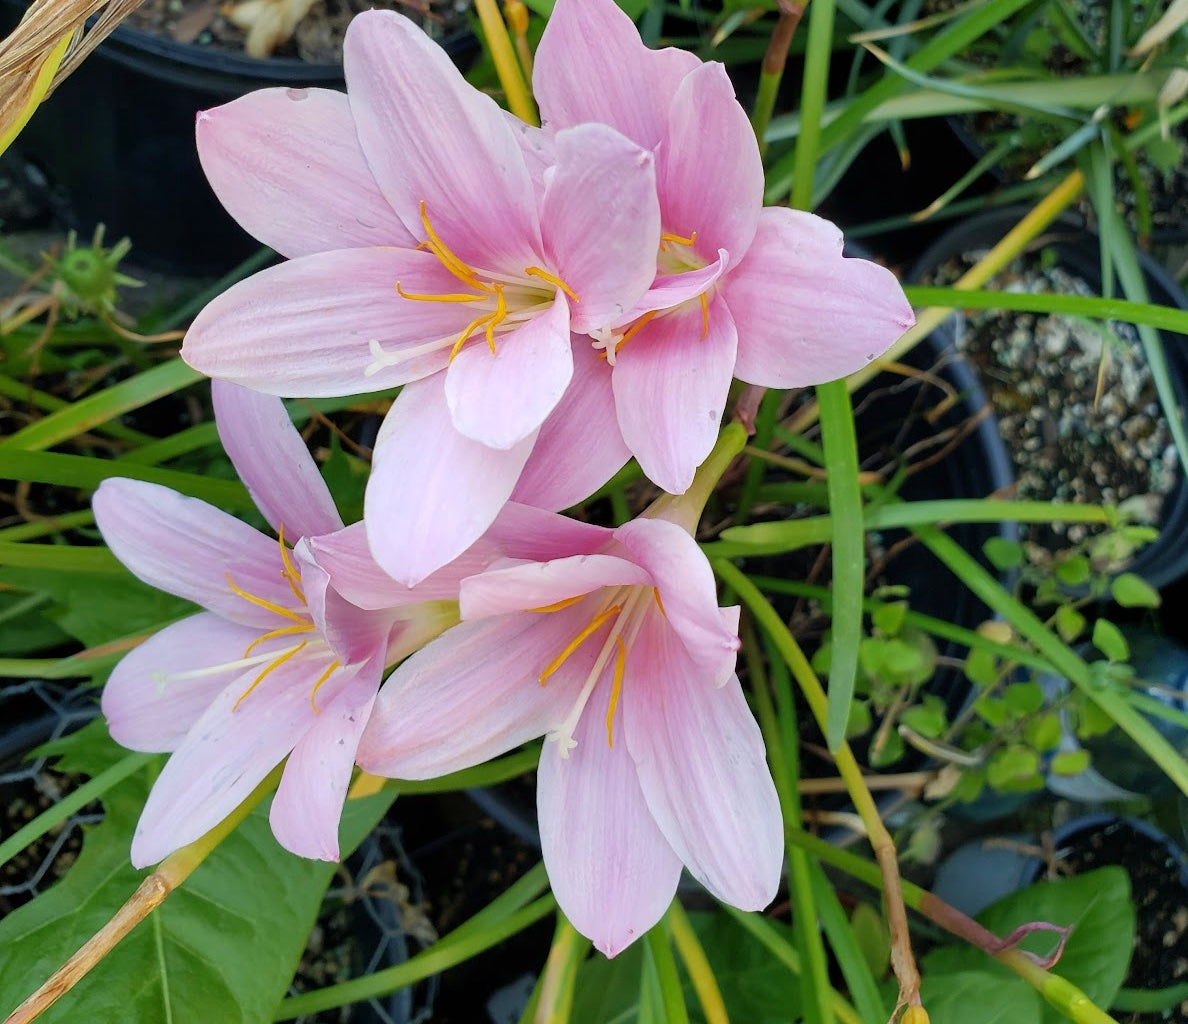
x=519, y=102
x=771, y=71
x=555, y=1003
x=170, y=873
x=697, y=965
x=685, y=509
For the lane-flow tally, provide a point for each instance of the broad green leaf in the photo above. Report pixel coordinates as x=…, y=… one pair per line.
x=1074, y=571
x=1070, y=762
x=1131, y=591
x=221, y=948
x=888, y=618
x=981, y=667
x=1069, y=623
x=1108, y=639
x=1003, y=553
x=24, y=627
x=1013, y=768
x=977, y=997
x=1023, y=698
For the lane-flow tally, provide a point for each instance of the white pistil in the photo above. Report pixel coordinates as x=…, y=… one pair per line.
x=164, y=679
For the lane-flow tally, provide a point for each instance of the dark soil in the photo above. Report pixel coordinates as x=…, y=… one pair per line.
x=319, y=35
x=1160, y=898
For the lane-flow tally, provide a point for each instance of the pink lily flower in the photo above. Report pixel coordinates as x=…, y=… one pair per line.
x=277, y=664
x=741, y=291
x=429, y=246
x=615, y=649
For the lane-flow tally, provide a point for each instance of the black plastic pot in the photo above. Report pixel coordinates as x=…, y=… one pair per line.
x=1077, y=250
x=116, y=143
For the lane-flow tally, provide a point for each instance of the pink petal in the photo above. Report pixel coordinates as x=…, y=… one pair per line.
x=287, y=166
x=310, y=327
x=145, y=709
x=610, y=867
x=539, y=584
x=472, y=694
x=804, y=314
x=500, y=398
x=686, y=583
x=702, y=768
x=432, y=492
x=352, y=633
x=673, y=289
x=615, y=80
x=307, y=808
x=273, y=462
x=189, y=548
x=601, y=220
x=432, y=138
x=710, y=174
x=524, y=532
x=670, y=391
x=537, y=146
x=580, y=446
x=227, y=753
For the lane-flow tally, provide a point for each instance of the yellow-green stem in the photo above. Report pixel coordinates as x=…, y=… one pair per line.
x=685, y=509
x=519, y=102
x=560, y=974
x=697, y=965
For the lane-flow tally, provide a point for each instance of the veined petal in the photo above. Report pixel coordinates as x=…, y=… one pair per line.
x=539, y=584
x=601, y=221
x=523, y=532
x=580, y=446
x=288, y=167
x=703, y=772
x=227, y=753
x=805, y=314
x=499, y=398
x=432, y=492
x=307, y=807
x=330, y=324
x=432, y=138
x=537, y=146
x=683, y=576
x=616, y=80
x=470, y=695
x=710, y=173
x=670, y=391
x=273, y=462
x=148, y=710
x=189, y=548
x=352, y=633
x=673, y=289
x=610, y=867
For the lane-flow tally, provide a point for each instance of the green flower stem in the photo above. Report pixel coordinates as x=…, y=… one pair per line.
x=170, y=873
x=814, y=91
x=685, y=509
x=554, y=1003
x=697, y=964
x=661, y=960
x=519, y=102
x=1062, y=994
x=771, y=70
x=902, y=961
x=1000, y=256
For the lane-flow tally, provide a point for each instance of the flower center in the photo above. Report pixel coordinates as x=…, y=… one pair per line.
x=676, y=256
x=504, y=302
x=296, y=621
x=624, y=610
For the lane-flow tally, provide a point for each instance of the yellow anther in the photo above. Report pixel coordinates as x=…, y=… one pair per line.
x=448, y=297
x=704, y=315
x=467, y=275
x=677, y=239
x=616, y=688
x=283, y=631
x=592, y=628
x=558, y=605
x=290, y=574
x=636, y=327
x=259, y=602
x=497, y=317
x=318, y=685
x=271, y=668
x=659, y=602
x=464, y=337
x=552, y=279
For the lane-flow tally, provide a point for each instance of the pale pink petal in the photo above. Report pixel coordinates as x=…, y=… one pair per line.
x=539, y=584
x=147, y=706
x=432, y=138
x=689, y=594
x=330, y=324
x=307, y=807
x=537, y=146
x=670, y=391
x=524, y=532
x=432, y=492
x=287, y=166
x=472, y=694
x=702, y=768
x=710, y=178
x=191, y=549
x=592, y=66
x=273, y=462
x=610, y=867
x=500, y=398
x=227, y=753
x=601, y=221
x=352, y=633
x=673, y=289
x=806, y=315
x=580, y=446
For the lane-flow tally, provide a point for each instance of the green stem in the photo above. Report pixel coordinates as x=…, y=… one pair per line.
x=685, y=509
x=555, y=1002
x=771, y=71
x=672, y=997
x=812, y=103
x=507, y=67
x=697, y=965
